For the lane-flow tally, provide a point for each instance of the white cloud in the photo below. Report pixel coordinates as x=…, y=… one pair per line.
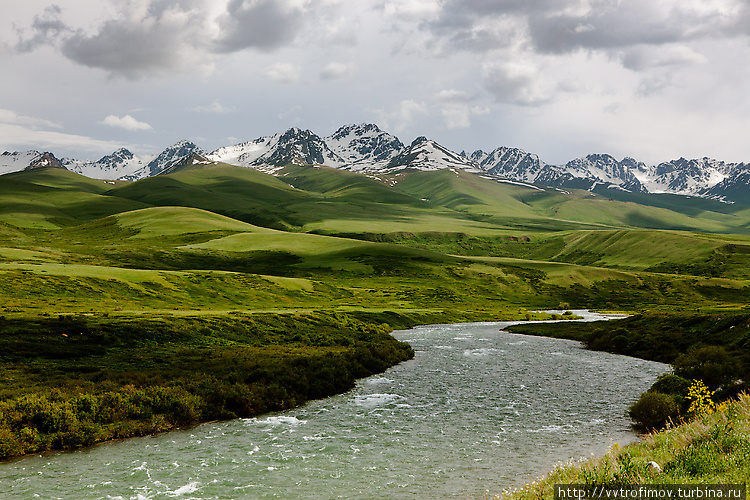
x=453, y=95
x=457, y=108
x=412, y=8
x=17, y=137
x=126, y=122
x=402, y=115
x=283, y=72
x=336, y=70
x=215, y=108
x=12, y=118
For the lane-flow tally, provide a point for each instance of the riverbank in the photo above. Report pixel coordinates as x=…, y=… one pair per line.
x=708, y=450
x=476, y=406
x=712, y=449
x=75, y=380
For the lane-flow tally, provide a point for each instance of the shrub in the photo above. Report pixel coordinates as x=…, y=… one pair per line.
x=700, y=400
x=669, y=383
x=654, y=410
x=714, y=365
x=620, y=343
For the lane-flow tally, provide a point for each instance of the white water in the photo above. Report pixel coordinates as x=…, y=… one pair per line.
x=478, y=410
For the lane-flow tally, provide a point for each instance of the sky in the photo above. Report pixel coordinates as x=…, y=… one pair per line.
x=651, y=79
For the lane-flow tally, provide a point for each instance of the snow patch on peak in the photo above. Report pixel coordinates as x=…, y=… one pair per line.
x=17, y=161
x=425, y=154
x=364, y=146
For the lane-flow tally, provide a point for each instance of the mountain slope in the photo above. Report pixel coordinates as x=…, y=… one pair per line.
x=295, y=146
x=367, y=149
x=121, y=163
x=364, y=147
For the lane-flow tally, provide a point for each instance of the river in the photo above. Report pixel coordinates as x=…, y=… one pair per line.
x=476, y=411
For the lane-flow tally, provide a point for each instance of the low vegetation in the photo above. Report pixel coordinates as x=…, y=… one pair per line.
x=76, y=380
x=217, y=291
x=713, y=448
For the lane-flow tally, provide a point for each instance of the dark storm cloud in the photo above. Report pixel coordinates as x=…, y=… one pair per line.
x=137, y=43
x=615, y=27
x=558, y=27
x=260, y=24
x=481, y=25
x=128, y=49
x=159, y=36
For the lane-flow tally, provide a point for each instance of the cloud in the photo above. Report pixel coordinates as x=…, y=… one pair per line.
x=291, y=115
x=47, y=29
x=457, y=109
x=126, y=122
x=156, y=37
x=416, y=9
x=20, y=131
x=215, y=108
x=259, y=24
x=336, y=71
x=26, y=133
x=402, y=116
x=10, y=117
x=641, y=58
x=147, y=38
x=516, y=83
x=283, y=72
x=565, y=26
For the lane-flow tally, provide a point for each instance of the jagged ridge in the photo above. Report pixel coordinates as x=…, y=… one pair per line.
x=367, y=149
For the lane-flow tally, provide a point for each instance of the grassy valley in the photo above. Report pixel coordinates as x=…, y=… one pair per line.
x=218, y=291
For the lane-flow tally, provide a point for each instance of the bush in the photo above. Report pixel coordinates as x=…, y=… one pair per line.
x=620, y=343
x=654, y=410
x=669, y=383
x=714, y=365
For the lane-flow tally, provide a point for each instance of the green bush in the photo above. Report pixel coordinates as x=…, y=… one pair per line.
x=620, y=343
x=669, y=383
x=714, y=365
x=654, y=410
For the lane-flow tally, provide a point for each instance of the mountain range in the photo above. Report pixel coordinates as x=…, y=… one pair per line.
x=367, y=149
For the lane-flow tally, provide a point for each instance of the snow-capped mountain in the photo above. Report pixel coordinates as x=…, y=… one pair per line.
x=367, y=149
x=364, y=147
x=424, y=154
x=15, y=162
x=512, y=163
x=581, y=173
x=167, y=158
x=734, y=187
x=296, y=146
x=192, y=159
x=119, y=164
x=603, y=169
x=684, y=176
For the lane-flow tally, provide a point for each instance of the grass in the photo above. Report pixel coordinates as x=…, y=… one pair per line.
x=205, y=294
x=712, y=449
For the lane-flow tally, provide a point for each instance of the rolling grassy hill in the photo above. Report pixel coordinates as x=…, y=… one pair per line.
x=218, y=291
x=50, y=198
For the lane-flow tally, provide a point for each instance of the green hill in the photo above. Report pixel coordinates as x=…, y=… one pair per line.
x=221, y=291
x=49, y=198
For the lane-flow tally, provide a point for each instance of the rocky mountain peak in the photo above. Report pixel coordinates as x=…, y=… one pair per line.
x=45, y=160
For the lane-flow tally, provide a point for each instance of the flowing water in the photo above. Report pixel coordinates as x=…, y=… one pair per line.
x=478, y=410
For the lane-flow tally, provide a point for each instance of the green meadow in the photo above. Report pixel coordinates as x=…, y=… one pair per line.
x=217, y=291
